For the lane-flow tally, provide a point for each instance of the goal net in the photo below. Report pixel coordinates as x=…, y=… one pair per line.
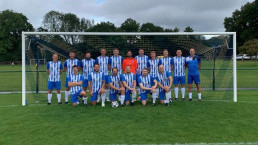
x=216, y=50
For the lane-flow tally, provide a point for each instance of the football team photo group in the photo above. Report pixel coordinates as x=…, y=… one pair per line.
x=126, y=80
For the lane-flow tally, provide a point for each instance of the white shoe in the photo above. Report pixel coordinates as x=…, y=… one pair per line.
x=98, y=100
x=103, y=105
x=108, y=99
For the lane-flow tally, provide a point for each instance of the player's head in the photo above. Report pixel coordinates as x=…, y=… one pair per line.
x=96, y=67
x=114, y=71
x=128, y=69
x=115, y=51
x=103, y=51
x=161, y=68
x=87, y=55
x=129, y=53
x=55, y=57
x=72, y=54
x=153, y=54
x=141, y=51
x=144, y=71
x=165, y=53
x=179, y=53
x=192, y=51
x=75, y=69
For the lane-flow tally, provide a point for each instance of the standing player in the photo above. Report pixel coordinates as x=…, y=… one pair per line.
x=68, y=68
x=103, y=63
x=153, y=68
x=96, y=83
x=178, y=66
x=142, y=62
x=165, y=82
x=87, y=69
x=115, y=61
x=129, y=82
x=130, y=61
x=147, y=85
x=165, y=61
x=116, y=86
x=54, y=70
x=193, y=62
x=75, y=84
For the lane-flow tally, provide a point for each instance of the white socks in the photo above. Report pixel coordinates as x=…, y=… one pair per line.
x=107, y=94
x=199, y=96
x=154, y=95
x=49, y=96
x=134, y=97
x=122, y=99
x=176, y=92
x=66, y=96
x=190, y=95
x=103, y=97
x=58, y=98
x=183, y=92
x=85, y=100
x=168, y=96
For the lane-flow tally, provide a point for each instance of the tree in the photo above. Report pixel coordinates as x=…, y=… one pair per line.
x=251, y=48
x=11, y=26
x=150, y=27
x=244, y=22
x=52, y=21
x=188, y=29
x=104, y=27
x=130, y=25
x=86, y=24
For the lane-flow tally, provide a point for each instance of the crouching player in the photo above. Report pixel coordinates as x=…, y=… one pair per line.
x=129, y=82
x=75, y=84
x=116, y=86
x=96, y=84
x=165, y=81
x=147, y=85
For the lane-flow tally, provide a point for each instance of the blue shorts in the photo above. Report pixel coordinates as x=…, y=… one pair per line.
x=127, y=95
x=66, y=82
x=144, y=96
x=106, y=79
x=162, y=94
x=137, y=76
x=74, y=97
x=94, y=96
x=113, y=96
x=53, y=85
x=176, y=80
x=85, y=83
x=195, y=78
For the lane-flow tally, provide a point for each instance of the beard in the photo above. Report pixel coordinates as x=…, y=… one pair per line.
x=87, y=58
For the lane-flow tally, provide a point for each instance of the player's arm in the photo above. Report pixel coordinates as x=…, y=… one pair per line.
x=109, y=63
x=72, y=84
x=113, y=87
x=126, y=86
x=48, y=71
x=144, y=88
x=199, y=66
x=160, y=85
x=155, y=83
x=170, y=81
x=48, y=68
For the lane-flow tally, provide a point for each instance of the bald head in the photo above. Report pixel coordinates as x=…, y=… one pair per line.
x=161, y=68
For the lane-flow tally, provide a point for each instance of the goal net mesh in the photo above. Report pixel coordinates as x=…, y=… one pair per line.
x=216, y=53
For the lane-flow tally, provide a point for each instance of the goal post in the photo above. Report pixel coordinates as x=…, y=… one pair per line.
x=152, y=40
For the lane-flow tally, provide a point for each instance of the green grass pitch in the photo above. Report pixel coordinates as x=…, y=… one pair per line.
x=214, y=120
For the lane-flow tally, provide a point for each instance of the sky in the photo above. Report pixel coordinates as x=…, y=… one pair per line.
x=201, y=15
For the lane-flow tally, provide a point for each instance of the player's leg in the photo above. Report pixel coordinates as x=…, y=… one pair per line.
x=85, y=98
x=197, y=82
x=107, y=88
x=133, y=98
x=138, y=86
x=93, y=99
x=154, y=97
x=74, y=98
x=144, y=98
x=83, y=94
x=162, y=96
x=182, y=82
x=122, y=97
x=102, y=93
x=168, y=97
x=50, y=89
x=190, y=82
x=127, y=97
x=67, y=89
x=176, y=82
x=58, y=94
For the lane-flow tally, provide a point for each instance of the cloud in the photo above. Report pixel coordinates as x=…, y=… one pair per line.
x=202, y=15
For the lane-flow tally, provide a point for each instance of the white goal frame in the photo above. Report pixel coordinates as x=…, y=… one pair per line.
x=127, y=33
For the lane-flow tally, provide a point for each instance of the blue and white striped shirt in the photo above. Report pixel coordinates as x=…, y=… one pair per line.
x=116, y=61
x=179, y=66
x=54, y=70
x=164, y=79
x=103, y=64
x=147, y=81
x=142, y=62
x=153, y=65
x=96, y=80
x=69, y=63
x=75, y=78
x=115, y=80
x=87, y=66
x=128, y=78
x=166, y=61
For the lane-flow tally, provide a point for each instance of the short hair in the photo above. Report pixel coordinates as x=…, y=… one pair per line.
x=141, y=49
x=103, y=49
x=129, y=51
x=75, y=66
x=55, y=54
x=153, y=52
x=115, y=49
x=71, y=52
x=87, y=52
x=165, y=50
x=114, y=68
x=191, y=48
x=145, y=69
x=95, y=64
